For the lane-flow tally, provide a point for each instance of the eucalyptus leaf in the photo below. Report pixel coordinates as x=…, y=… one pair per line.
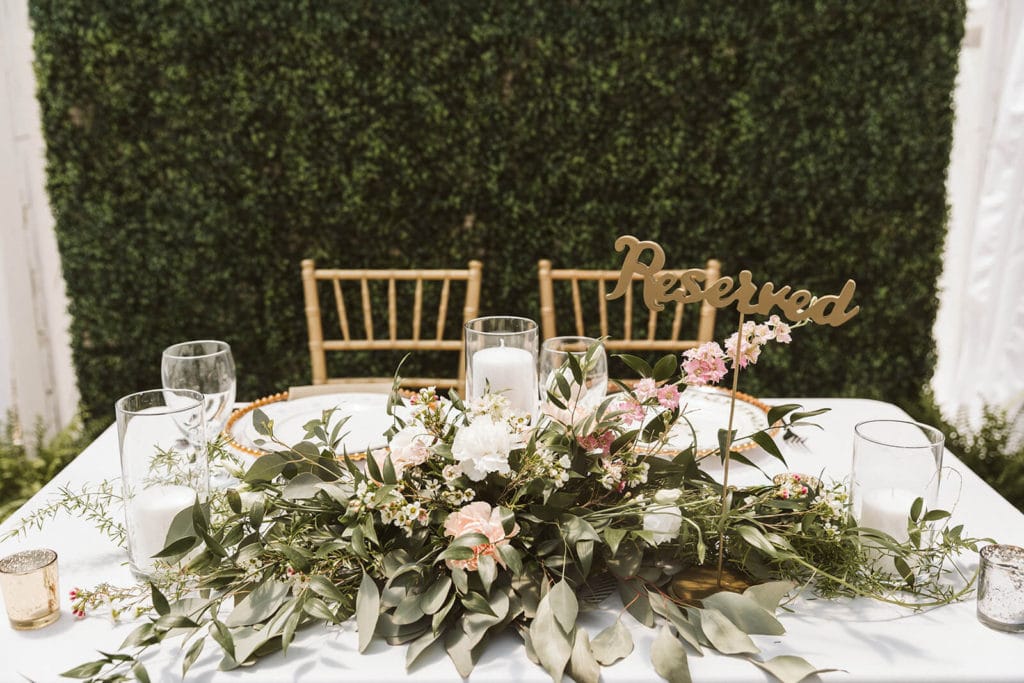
x=140, y=673
x=725, y=636
x=419, y=646
x=511, y=557
x=550, y=643
x=487, y=569
x=87, y=670
x=583, y=667
x=790, y=669
x=433, y=598
x=613, y=537
x=769, y=595
x=222, y=635
x=304, y=485
x=194, y=650
x=669, y=657
x=612, y=644
x=324, y=588
x=745, y=613
x=563, y=603
x=754, y=537
x=367, y=610
x=475, y=602
x=460, y=651
x=159, y=601
x=260, y=604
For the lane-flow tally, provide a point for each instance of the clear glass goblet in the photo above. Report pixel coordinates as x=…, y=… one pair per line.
x=557, y=380
x=205, y=366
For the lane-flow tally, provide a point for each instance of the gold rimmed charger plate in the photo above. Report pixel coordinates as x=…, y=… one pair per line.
x=240, y=422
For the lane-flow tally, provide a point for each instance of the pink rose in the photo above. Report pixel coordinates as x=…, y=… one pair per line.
x=480, y=518
x=409, y=447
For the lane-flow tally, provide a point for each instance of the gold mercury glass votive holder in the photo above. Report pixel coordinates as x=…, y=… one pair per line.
x=28, y=581
x=1001, y=588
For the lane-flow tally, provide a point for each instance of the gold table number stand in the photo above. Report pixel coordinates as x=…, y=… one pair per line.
x=689, y=286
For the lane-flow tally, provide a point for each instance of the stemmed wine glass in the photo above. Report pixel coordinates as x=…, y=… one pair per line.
x=205, y=366
x=554, y=364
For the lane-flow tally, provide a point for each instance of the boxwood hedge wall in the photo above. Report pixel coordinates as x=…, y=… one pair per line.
x=198, y=150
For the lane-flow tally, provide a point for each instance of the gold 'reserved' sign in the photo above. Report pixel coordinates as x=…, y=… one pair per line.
x=661, y=286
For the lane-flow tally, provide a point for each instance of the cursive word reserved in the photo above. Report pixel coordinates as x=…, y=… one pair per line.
x=689, y=286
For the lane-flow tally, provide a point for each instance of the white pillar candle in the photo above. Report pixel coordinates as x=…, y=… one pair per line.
x=510, y=372
x=887, y=510
x=152, y=510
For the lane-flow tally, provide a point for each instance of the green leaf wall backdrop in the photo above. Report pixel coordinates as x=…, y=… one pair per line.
x=199, y=150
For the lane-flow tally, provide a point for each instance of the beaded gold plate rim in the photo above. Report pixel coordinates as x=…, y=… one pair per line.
x=259, y=403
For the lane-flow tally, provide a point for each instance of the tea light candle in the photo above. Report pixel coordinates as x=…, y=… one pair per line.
x=510, y=372
x=1001, y=588
x=152, y=512
x=28, y=581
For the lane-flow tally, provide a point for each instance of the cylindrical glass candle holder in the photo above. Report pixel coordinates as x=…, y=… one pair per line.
x=895, y=462
x=164, y=469
x=501, y=358
x=28, y=581
x=1001, y=588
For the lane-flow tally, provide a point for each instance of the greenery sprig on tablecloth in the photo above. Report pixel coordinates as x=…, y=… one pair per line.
x=475, y=521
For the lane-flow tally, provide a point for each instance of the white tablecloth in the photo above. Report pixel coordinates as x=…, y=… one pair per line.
x=870, y=641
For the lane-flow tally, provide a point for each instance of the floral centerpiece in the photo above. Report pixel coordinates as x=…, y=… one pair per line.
x=477, y=520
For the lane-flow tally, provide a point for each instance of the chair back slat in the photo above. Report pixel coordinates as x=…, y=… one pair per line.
x=577, y=307
x=677, y=321
x=442, y=309
x=665, y=332
x=339, y=303
x=417, y=309
x=627, y=319
x=399, y=337
x=392, y=311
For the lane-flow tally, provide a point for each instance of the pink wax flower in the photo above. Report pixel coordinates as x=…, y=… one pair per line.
x=633, y=411
x=598, y=442
x=645, y=389
x=481, y=518
x=750, y=350
x=780, y=330
x=704, y=364
x=668, y=397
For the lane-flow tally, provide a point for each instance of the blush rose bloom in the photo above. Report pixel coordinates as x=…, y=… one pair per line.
x=480, y=518
x=482, y=448
x=409, y=447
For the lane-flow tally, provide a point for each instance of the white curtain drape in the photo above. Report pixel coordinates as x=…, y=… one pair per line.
x=980, y=326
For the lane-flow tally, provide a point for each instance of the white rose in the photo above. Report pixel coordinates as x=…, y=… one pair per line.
x=482, y=447
x=664, y=521
x=667, y=496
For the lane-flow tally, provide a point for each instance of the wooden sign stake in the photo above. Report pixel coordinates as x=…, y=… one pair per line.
x=728, y=448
